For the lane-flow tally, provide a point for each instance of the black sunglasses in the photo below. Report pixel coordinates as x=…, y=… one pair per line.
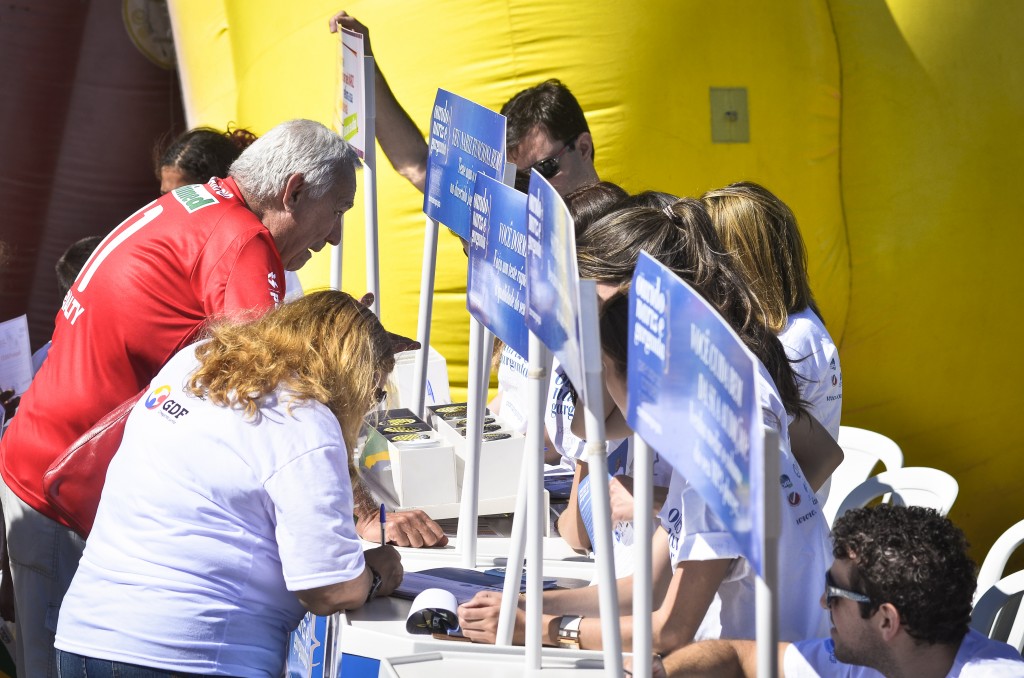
x=549, y=167
x=832, y=592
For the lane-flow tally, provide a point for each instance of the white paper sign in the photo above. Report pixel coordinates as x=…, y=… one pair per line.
x=15, y=355
x=350, y=110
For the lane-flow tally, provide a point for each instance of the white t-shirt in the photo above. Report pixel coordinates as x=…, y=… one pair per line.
x=815, y=360
x=978, y=657
x=696, y=533
x=207, y=524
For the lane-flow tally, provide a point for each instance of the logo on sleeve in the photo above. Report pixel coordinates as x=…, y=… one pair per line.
x=169, y=409
x=194, y=197
x=157, y=397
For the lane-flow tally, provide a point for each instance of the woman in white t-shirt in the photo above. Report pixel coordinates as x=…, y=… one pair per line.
x=703, y=587
x=227, y=511
x=762, y=233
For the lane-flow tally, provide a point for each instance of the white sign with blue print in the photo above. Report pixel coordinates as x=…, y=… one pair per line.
x=496, y=291
x=466, y=139
x=552, y=290
x=692, y=397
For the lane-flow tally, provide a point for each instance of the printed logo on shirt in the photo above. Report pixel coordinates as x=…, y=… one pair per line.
x=219, y=189
x=835, y=380
x=275, y=295
x=194, y=197
x=832, y=363
x=794, y=498
x=157, y=397
x=172, y=410
x=807, y=516
x=674, y=525
x=785, y=481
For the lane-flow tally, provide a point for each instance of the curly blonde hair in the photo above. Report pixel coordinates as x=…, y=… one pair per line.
x=325, y=346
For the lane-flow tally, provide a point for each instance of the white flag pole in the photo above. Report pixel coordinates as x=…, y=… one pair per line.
x=765, y=593
x=596, y=454
x=426, y=309
x=643, y=533
x=370, y=186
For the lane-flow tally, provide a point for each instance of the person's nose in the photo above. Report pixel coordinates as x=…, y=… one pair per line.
x=335, y=235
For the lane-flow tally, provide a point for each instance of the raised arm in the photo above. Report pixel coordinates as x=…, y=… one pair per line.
x=400, y=139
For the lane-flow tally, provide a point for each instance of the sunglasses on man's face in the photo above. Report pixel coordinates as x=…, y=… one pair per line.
x=832, y=592
x=549, y=167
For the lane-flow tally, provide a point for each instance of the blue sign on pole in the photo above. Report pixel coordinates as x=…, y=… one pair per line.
x=496, y=291
x=552, y=291
x=306, y=648
x=692, y=397
x=466, y=139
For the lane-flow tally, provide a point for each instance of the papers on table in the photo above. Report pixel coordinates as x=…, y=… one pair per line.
x=460, y=582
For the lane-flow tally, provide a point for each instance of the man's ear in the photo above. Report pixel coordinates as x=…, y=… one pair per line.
x=888, y=621
x=585, y=143
x=294, y=186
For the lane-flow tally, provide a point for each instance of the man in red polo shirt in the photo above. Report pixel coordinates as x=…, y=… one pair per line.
x=199, y=252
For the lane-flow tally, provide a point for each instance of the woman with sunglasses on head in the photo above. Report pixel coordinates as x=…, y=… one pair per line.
x=227, y=511
x=762, y=234
x=703, y=586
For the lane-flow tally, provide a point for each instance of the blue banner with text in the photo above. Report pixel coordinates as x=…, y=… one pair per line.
x=466, y=139
x=496, y=289
x=552, y=290
x=692, y=396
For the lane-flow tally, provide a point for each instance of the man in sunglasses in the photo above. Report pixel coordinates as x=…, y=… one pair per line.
x=546, y=130
x=899, y=599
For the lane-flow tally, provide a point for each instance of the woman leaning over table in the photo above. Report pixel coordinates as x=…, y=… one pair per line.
x=227, y=510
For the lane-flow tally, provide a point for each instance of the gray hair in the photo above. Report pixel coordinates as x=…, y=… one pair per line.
x=302, y=146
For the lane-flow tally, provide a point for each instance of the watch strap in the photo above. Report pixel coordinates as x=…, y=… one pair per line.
x=569, y=632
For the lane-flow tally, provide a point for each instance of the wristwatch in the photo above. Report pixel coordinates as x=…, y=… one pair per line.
x=374, y=585
x=569, y=632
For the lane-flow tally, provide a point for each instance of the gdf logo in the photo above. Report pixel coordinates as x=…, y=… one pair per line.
x=157, y=397
x=174, y=409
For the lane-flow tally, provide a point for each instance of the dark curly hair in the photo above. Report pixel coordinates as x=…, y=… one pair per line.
x=203, y=152
x=915, y=559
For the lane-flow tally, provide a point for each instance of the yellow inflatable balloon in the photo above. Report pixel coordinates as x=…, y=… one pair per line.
x=889, y=127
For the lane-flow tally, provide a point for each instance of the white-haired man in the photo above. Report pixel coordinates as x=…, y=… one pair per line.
x=199, y=252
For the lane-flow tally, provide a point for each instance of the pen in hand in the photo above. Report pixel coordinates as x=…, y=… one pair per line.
x=383, y=521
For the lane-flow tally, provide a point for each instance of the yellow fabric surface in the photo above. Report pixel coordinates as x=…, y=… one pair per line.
x=888, y=127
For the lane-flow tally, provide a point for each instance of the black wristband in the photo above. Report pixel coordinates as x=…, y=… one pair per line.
x=374, y=585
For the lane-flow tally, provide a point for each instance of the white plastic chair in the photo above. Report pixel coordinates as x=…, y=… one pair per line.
x=862, y=451
x=999, y=614
x=995, y=562
x=908, y=486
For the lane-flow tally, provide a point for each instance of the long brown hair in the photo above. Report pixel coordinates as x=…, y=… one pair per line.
x=683, y=238
x=324, y=346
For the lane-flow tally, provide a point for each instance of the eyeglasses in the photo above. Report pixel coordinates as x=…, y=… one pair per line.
x=549, y=167
x=380, y=395
x=832, y=592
